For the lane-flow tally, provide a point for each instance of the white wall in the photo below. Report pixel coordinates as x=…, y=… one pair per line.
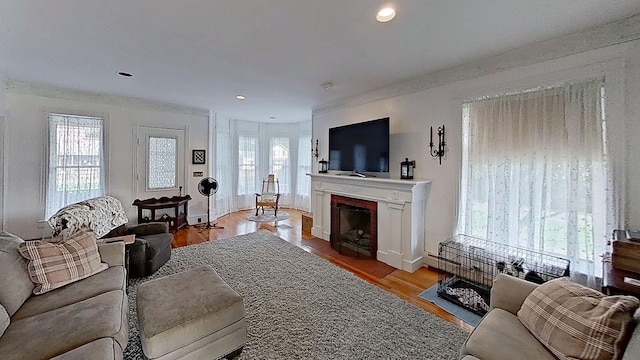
x=632, y=115
x=26, y=128
x=412, y=114
x=3, y=87
x=3, y=90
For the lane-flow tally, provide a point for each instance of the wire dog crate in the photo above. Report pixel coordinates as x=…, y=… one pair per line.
x=468, y=266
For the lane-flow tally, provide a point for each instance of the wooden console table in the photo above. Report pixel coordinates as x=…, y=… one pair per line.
x=150, y=210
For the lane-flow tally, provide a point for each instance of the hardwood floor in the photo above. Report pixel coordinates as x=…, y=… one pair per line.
x=401, y=283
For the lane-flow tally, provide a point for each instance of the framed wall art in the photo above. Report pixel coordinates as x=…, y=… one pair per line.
x=198, y=156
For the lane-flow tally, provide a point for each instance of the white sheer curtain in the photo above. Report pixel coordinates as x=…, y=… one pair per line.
x=280, y=166
x=76, y=160
x=535, y=175
x=302, y=199
x=222, y=199
x=247, y=177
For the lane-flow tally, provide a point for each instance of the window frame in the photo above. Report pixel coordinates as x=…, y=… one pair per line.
x=285, y=184
x=463, y=196
x=256, y=165
x=45, y=169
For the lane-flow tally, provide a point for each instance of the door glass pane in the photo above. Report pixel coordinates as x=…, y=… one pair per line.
x=163, y=158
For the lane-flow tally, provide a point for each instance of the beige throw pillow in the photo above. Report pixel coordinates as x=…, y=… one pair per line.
x=53, y=265
x=577, y=322
x=15, y=284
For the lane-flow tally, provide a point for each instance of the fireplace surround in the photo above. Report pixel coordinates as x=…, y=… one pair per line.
x=400, y=218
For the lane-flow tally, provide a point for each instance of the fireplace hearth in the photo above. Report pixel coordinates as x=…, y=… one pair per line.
x=354, y=227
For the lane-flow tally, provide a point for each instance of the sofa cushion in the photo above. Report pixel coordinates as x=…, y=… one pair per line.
x=15, y=284
x=113, y=278
x=501, y=336
x=574, y=321
x=55, y=332
x=633, y=347
x=105, y=348
x=53, y=265
x=4, y=320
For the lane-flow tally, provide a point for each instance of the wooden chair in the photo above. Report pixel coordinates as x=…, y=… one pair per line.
x=269, y=196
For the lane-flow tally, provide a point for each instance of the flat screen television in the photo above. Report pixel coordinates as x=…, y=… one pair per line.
x=361, y=148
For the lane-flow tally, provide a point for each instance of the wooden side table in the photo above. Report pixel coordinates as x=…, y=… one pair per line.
x=175, y=210
x=613, y=280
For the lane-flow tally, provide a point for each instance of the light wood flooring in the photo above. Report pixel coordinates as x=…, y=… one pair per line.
x=401, y=283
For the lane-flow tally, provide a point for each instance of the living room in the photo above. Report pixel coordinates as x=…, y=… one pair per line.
x=607, y=48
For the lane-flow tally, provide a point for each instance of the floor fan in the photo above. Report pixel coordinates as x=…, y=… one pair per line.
x=208, y=187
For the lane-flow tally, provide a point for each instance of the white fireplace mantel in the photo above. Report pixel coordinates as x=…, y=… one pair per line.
x=401, y=213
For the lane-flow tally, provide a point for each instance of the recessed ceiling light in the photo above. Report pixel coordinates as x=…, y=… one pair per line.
x=386, y=14
x=125, y=74
x=326, y=86
x=240, y=97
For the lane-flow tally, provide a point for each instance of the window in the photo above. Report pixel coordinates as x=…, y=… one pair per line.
x=247, y=156
x=534, y=172
x=163, y=158
x=76, y=160
x=279, y=162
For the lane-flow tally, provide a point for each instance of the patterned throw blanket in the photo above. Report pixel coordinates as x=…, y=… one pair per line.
x=100, y=215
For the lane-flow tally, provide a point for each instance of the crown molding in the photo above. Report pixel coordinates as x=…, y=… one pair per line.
x=614, y=33
x=19, y=87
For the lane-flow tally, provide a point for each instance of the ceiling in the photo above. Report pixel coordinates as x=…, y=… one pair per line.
x=277, y=53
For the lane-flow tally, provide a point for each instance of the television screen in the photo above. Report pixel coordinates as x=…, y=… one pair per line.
x=361, y=147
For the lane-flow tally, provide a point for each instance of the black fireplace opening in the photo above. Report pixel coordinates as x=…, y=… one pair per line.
x=355, y=231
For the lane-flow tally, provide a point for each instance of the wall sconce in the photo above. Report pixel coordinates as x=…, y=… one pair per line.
x=323, y=166
x=406, y=168
x=314, y=152
x=439, y=152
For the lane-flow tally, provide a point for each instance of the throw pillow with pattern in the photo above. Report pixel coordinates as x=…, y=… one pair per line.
x=577, y=322
x=52, y=265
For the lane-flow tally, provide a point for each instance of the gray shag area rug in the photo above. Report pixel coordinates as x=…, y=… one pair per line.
x=300, y=306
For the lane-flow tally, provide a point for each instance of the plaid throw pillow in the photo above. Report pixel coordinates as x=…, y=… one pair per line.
x=53, y=265
x=576, y=322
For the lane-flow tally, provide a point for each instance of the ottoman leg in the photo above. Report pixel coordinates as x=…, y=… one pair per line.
x=233, y=354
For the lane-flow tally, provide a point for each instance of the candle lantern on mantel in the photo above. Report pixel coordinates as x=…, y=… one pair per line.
x=323, y=166
x=406, y=168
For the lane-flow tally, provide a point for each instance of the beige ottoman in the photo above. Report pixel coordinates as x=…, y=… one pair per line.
x=190, y=315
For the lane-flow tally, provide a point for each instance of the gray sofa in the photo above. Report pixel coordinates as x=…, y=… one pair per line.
x=500, y=335
x=87, y=319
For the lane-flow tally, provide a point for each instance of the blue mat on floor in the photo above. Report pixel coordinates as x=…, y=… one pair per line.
x=461, y=313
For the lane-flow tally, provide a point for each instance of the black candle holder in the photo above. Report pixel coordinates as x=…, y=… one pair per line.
x=439, y=151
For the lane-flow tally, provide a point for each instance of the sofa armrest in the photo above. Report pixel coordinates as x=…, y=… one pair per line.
x=148, y=228
x=508, y=292
x=112, y=253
